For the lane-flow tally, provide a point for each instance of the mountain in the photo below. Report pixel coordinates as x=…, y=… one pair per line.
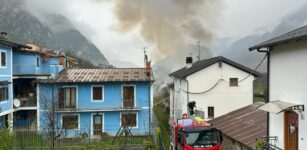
x=239, y=52
x=55, y=32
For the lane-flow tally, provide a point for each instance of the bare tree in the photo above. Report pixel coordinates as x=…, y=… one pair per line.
x=51, y=107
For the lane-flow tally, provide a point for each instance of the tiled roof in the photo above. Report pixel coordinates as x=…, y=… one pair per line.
x=183, y=72
x=244, y=124
x=101, y=75
x=295, y=35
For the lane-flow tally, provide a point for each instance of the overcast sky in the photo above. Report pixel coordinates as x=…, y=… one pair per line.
x=96, y=21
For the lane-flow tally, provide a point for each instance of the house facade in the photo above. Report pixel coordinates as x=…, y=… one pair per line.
x=30, y=64
x=6, y=79
x=20, y=66
x=98, y=100
x=287, y=89
x=217, y=85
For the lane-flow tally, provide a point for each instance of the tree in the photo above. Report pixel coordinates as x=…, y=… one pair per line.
x=50, y=113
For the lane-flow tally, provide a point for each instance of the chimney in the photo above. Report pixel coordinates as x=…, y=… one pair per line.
x=3, y=35
x=148, y=68
x=189, y=62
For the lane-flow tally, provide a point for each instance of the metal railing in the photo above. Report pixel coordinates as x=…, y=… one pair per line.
x=267, y=143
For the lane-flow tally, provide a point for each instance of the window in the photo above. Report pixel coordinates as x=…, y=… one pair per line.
x=97, y=93
x=38, y=63
x=233, y=81
x=128, y=120
x=210, y=112
x=3, y=59
x=128, y=96
x=67, y=97
x=4, y=92
x=70, y=122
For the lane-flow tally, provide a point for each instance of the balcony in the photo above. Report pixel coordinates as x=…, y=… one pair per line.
x=267, y=143
x=28, y=102
x=28, y=69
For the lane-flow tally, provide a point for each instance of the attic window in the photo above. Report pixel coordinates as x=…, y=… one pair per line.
x=233, y=82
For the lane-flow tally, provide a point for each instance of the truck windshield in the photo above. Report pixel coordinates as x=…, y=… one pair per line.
x=202, y=139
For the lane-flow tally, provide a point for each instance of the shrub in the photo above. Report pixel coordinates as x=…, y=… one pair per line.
x=8, y=137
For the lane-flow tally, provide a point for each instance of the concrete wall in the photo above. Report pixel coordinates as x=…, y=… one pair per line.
x=288, y=83
x=231, y=144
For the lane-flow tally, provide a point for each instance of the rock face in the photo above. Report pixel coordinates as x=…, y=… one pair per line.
x=56, y=32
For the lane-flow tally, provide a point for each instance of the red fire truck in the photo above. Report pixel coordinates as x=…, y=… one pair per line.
x=193, y=134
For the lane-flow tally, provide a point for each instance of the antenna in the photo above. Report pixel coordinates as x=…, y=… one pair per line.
x=198, y=57
x=145, y=56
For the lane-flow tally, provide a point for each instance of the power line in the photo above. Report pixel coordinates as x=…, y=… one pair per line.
x=221, y=79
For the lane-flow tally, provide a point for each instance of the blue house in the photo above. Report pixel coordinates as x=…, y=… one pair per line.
x=6, y=78
x=20, y=65
x=98, y=100
x=30, y=64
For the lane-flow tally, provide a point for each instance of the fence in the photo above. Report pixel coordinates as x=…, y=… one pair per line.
x=28, y=140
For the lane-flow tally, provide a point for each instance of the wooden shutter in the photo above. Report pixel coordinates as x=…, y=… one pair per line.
x=97, y=93
x=61, y=98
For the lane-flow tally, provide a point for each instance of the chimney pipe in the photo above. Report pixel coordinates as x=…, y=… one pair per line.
x=148, y=68
x=189, y=62
x=3, y=35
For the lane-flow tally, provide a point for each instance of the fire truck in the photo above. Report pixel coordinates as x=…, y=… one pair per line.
x=194, y=134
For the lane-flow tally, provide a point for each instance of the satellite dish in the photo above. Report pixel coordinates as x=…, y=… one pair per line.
x=16, y=102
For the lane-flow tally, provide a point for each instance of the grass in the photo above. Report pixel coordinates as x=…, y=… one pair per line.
x=163, y=122
x=34, y=140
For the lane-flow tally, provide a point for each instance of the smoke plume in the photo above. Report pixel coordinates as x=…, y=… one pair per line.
x=168, y=24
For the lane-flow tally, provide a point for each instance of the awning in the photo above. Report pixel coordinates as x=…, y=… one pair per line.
x=278, y=106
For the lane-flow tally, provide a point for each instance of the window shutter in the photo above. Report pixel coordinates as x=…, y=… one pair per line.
x=61, y=98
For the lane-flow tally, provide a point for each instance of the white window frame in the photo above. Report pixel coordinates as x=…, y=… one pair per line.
x=37, y=58
x=92, y=94
x=137, y=119
x=73, y=86
x=1, y=51
x=92, y=122
x=70, y=115
x=122, y=93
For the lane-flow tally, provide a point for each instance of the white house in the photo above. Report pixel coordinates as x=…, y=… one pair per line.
x=287, y=88
x=217, y=85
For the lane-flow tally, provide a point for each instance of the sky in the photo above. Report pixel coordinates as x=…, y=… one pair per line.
x=95, y=19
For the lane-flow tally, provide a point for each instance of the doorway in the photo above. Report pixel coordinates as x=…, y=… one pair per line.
x=291, y=130
x=97, y=124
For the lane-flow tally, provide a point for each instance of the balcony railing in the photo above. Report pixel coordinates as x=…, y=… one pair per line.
x=267, y=143
x=27, y=101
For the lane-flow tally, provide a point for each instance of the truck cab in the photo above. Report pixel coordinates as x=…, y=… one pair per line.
x=187, y=134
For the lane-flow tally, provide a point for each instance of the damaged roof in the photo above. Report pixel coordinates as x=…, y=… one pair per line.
x=12, y=44
x=197, y=66
x=101, y=75
x=295, y=35
x=243, y=125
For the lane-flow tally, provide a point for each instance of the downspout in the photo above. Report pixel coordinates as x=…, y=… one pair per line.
x=267, y=51
x=150, y=91
x=188, y=97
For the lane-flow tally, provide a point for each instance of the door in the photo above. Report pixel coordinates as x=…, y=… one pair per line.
x=97, y=125
x=128, y=95
x=291, y=130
